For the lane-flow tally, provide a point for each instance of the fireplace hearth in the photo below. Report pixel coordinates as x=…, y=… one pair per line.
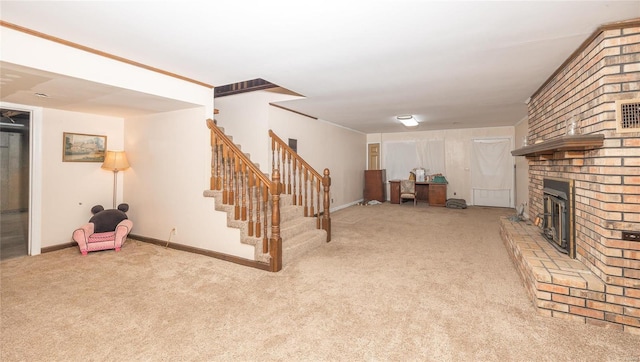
x=558, y=218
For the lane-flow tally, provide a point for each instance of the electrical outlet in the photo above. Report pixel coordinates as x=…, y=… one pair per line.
x=174, y=230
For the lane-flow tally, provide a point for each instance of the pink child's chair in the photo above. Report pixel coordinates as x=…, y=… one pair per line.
x=107, y=229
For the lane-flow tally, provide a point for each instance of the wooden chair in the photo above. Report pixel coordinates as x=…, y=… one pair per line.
x=408, y=190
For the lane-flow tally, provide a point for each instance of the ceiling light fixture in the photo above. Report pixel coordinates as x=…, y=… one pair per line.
x=407, y=120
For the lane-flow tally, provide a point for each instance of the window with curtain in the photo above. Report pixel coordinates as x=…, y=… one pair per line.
x=400, y=157
x=431, y=156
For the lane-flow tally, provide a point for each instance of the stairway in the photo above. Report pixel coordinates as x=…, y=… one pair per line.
x=299, y=234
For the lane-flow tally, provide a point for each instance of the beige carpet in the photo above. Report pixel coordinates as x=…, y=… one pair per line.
x=397, y=283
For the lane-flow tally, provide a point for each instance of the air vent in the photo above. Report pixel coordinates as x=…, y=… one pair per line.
x=628, y=115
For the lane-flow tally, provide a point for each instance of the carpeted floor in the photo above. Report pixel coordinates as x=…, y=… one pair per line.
x=396, y=283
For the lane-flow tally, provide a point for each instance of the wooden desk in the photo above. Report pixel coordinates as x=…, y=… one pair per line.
x=433, y=193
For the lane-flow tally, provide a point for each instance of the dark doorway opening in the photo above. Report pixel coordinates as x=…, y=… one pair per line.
x=15, y=148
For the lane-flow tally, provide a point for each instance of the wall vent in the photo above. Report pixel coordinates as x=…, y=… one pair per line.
x=628, y=115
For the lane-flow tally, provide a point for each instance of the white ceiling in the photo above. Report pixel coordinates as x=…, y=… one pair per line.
x=452, y=64
x=21, y=85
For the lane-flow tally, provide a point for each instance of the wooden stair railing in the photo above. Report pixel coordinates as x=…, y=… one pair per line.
x=249, y=191
x=302, y=182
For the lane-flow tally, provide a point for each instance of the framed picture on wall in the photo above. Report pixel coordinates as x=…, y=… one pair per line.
x=79, y=147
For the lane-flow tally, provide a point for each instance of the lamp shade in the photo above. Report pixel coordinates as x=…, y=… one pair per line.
x=115, y=161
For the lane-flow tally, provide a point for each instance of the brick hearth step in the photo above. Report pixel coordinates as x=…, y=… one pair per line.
x=558, y=285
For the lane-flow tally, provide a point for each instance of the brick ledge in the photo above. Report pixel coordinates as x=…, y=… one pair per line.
x=544, y=262
x=558, y=285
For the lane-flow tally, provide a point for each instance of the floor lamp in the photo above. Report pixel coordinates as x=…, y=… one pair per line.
x=115, y=161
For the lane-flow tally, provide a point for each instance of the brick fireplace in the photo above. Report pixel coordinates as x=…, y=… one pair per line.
x=602, y=284
x=558, y=218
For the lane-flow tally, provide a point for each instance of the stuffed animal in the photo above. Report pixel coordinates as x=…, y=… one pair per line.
x=107, y=220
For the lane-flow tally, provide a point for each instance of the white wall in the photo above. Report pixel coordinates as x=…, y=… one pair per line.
x=71, y=189
x=247, y=117
x=325, y=145
x=170, y=160
x=522, y=167
x=170, y=156
x=457, y=143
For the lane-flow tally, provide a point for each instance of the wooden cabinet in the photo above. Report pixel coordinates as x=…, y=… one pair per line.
x=374, y=185
x=437, y=194
x=422, y=191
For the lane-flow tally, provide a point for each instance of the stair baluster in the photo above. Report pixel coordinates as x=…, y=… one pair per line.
x=311, y=189
x=288, y=174
x=244, y=186
x=326, y=218
x=299, y=185
x=306, y=192
x=251, y=192
x=225, y=179
x=295, y=172
x=219, y=167
x=213, y=180
x=308, y=182
x=228, y=170
x=318, y=223
x=265, y=240
x=245, y=192
x=236, y=187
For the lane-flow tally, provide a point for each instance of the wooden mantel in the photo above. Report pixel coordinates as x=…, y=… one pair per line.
x=569, y=144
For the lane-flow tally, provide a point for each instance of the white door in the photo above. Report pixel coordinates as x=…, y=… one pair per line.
x=492, y=172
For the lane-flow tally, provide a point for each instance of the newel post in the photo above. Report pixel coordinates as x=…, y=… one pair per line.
x=275, y=242
x=326, y=216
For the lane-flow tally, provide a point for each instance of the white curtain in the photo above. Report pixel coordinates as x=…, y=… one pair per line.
x=399, y=158
x=491, y=165
x=431, y=156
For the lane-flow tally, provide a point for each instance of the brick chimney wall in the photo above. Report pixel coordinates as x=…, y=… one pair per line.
x=607, y=180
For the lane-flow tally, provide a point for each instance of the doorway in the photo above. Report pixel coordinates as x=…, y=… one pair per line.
x=374, y=156
x=492, y=172
x=15, y=137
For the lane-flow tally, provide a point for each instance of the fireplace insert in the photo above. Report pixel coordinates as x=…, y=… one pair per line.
x=558, y=218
